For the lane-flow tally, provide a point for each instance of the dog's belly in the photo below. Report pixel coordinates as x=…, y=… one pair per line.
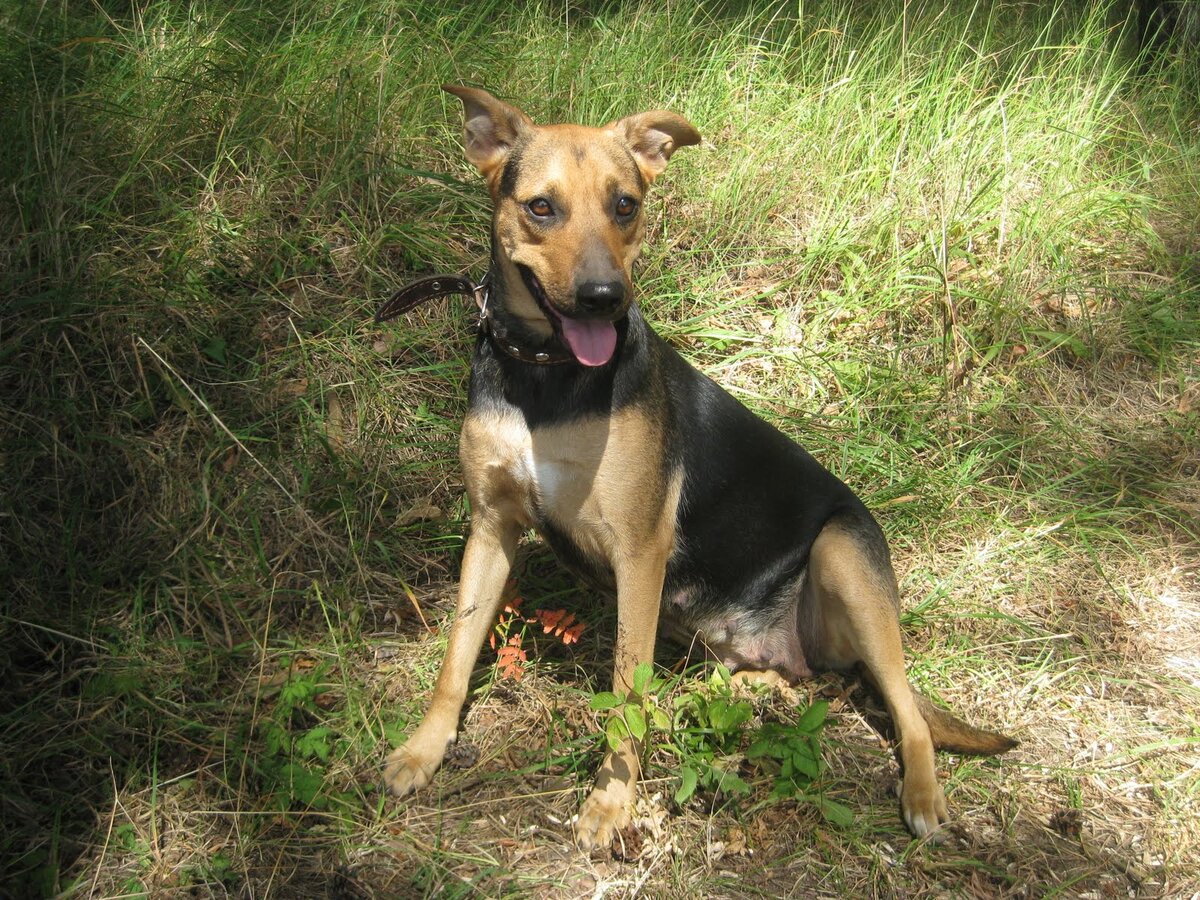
x=737, y=636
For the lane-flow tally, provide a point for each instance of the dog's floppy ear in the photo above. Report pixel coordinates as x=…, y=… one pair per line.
x=653, y=136
x=490, y=127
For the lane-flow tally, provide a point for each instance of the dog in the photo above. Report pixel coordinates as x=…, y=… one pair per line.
x=642, y=474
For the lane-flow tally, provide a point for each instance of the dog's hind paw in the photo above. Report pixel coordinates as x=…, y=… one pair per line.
x=404, y=772
x=602, y=815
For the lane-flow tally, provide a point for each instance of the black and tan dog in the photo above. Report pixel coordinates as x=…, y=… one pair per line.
x=643, y=474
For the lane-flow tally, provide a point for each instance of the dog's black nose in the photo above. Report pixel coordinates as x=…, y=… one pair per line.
x=600, y=297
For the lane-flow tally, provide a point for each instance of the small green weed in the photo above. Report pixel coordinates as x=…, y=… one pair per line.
x=218, y=869
x=126, y=838
x=708, y=732
x=791, y=754
x=712, y=734
x=631, y=714
x=297, y=745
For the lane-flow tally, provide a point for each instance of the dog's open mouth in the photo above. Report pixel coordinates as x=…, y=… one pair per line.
x=592, y=341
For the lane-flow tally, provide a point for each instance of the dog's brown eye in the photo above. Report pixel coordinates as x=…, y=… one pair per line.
x=540, y=207
x=626, y=207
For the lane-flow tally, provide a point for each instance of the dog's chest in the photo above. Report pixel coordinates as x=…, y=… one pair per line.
x=555, y=473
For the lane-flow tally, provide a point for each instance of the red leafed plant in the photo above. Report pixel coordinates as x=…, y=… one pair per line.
x=509, y=632
x=511, y=658
x=562, y=623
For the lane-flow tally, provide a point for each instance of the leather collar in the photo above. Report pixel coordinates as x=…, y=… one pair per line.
x=417, y=292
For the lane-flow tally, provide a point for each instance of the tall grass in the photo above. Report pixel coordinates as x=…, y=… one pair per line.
x=951, y=246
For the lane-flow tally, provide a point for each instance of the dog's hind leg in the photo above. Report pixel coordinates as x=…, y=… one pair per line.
x=487, y=562
x=851, y=581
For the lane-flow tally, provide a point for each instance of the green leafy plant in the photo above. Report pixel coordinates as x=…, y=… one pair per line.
x=126, y=837
x=707, y=733
x=297, y=747
x=793, y=751
x=633, y=713
x=712, y=733
x=791, y=754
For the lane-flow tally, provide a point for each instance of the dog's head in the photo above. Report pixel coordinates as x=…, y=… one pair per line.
x=567, y=221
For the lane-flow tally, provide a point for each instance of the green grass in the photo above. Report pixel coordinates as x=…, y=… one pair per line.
x=950, y=247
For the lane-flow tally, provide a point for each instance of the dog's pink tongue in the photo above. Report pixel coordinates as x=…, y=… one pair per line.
x=592, y=342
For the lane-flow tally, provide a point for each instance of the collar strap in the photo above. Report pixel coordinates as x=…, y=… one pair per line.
x=502, y=340
x=417, y=292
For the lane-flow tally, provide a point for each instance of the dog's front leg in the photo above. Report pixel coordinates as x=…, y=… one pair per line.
x=639, y=592
x=486, y=564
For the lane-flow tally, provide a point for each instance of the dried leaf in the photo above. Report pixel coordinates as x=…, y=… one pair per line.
x=422, y=512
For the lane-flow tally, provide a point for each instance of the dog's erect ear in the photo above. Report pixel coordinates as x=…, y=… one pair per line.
x=490, y=127
x=653, y=136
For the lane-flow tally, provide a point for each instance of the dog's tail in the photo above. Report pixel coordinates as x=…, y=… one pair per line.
x=951, y=733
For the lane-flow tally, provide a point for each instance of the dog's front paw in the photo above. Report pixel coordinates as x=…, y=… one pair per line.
x=409, y=769
x=602, y=815
x=924, y=806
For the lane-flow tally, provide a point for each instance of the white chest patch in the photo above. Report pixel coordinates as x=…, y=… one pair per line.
x=548, y=479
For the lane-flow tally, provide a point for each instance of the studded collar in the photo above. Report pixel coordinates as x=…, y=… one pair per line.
x=417, y=292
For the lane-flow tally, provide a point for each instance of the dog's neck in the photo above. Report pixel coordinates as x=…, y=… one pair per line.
x=551, y=394
x=523, y=337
